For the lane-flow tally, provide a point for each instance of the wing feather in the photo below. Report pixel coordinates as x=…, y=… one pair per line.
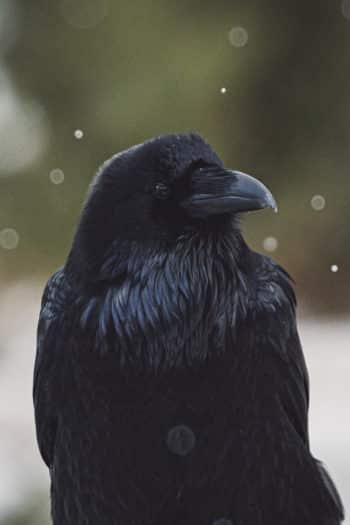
x=48, y=363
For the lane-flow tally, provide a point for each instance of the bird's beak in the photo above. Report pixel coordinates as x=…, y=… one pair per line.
x=219, y=191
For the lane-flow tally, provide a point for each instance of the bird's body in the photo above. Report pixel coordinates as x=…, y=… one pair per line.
x=170, y=384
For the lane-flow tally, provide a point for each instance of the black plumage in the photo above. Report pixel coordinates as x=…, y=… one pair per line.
x=170, y=385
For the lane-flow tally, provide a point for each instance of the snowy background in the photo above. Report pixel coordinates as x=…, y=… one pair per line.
x=268, y=85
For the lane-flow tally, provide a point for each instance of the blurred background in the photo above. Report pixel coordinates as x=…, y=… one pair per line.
x=266, y=83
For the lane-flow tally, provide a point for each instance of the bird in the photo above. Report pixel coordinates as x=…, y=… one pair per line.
x=170, y=385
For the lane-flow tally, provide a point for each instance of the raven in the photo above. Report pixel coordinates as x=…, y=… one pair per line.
x=170, y=385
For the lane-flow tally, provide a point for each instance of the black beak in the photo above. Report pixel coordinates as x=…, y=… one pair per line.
x=219, y=191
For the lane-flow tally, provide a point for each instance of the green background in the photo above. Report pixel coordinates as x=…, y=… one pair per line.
x=125, y=71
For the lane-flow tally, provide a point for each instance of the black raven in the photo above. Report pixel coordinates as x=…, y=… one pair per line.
x=170, y=386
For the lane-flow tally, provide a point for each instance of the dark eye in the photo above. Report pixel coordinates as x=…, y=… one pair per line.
x=162, y=191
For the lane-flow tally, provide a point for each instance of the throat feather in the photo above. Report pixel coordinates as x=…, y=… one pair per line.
x=172, y=306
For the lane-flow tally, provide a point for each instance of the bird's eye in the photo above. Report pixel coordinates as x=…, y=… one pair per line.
x=162, y=191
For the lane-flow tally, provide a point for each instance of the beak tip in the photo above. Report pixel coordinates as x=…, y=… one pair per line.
x=270, y=201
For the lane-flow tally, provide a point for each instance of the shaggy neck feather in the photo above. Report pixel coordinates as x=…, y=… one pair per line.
x=166, y=307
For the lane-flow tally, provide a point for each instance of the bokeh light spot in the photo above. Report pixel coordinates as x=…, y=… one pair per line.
x=223, y=90
x=345, y=8
x=238, y=36
x=181, y=440
x=84, y=14
x=9, y=239
x=318, y=202
x=78, y=133
x=270, y=244
x=56, y=176
x=334, y=268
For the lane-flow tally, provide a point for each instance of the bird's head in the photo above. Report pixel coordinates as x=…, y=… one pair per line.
x=156, y=192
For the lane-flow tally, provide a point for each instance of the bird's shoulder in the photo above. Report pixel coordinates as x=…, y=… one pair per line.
x=271, y=287
x=51, y=338
x=56, y=294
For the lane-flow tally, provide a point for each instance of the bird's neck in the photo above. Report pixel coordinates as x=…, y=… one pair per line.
x=172, y=306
